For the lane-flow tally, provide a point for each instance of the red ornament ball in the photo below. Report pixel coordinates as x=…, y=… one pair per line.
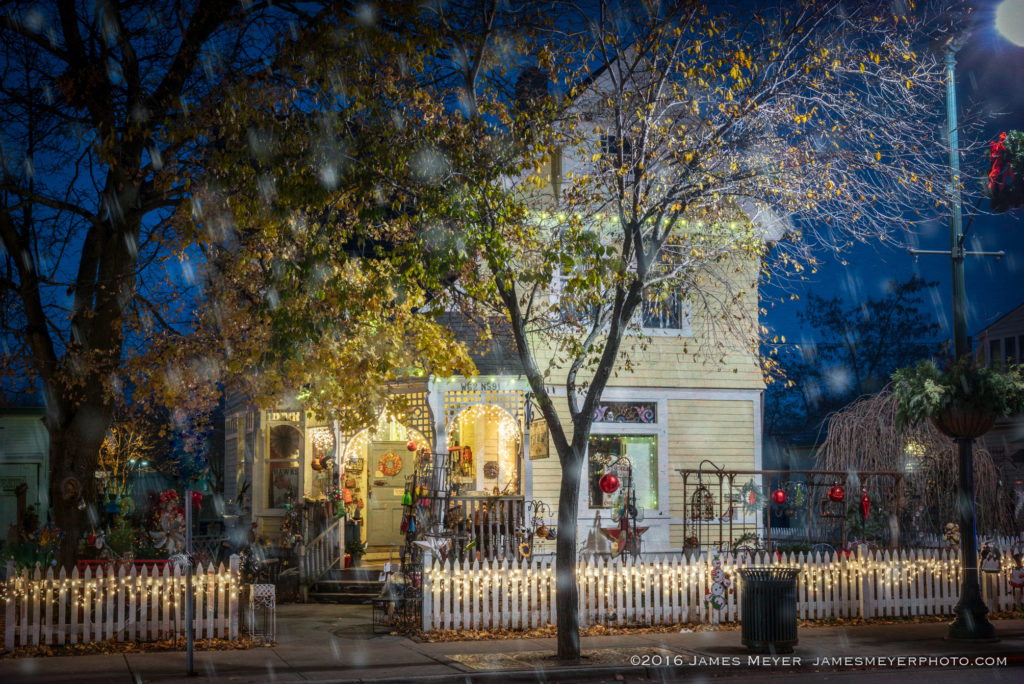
x=608, y=483
x=411, y=446
x=779, y=496
x=836, y=493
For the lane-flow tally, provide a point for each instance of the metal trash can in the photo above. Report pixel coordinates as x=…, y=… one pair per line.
x=768, y=609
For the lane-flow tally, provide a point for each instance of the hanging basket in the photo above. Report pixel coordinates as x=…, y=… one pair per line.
x=964, y=424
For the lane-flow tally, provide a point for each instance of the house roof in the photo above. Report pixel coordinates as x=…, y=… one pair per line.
x=1016, y=313
x=494, y=356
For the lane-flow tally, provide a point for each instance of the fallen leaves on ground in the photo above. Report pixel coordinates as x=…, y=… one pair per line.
x=550, y=631
x=115, y=647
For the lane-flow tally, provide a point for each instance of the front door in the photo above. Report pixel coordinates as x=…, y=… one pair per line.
x=388, y=464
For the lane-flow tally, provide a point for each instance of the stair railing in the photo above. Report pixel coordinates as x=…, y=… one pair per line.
x=320, y=555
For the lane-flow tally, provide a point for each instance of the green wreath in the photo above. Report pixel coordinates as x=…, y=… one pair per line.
x=752, y=498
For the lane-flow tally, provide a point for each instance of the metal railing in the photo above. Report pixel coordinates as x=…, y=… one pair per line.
x=323, y=552
x=491, y=525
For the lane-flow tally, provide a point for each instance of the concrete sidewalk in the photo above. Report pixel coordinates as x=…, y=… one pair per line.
x=335, y=643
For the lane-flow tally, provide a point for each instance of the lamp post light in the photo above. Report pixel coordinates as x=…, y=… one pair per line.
x=970, y=623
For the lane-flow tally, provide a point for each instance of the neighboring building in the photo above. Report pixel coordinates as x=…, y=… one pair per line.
x=1003, y=342
x=24, y=460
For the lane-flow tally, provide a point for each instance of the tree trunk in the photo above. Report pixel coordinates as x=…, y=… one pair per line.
x=74, y=454
x=566, y=589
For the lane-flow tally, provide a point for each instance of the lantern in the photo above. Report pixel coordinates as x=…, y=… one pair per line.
x=411, y=446
x=779, y=497
x=608, y=483
x=836, y=493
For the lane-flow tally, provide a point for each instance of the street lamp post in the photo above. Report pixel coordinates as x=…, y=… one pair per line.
x=970, y=623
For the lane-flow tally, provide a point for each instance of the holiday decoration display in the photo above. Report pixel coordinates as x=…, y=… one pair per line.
x=715, y=596
x=390, y=464
x=702, y=504
x=1006, y=177
x=951, y=534
x=609, y=483
x=836, y=493
x=751, y=498
x=170, y=518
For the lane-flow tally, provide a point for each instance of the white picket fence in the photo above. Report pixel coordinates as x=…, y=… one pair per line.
x=671, y=589
x=121, y=605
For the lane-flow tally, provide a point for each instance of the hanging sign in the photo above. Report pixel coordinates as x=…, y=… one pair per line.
x=539, y=447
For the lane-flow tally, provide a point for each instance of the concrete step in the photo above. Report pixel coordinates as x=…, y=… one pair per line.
x=341, y=597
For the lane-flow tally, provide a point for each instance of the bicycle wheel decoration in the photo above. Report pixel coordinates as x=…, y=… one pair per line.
x=390, y=464
x=752, y=498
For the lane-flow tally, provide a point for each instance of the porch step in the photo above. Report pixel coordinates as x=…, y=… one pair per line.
x=350, y=586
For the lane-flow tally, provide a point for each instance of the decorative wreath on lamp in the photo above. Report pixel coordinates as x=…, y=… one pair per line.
x=390, y=464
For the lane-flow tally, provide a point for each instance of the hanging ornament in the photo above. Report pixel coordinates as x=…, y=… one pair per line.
x=779, y=497
x=836, y=493
x=702, y=504
x=865, y=503
x=608, y=483
x=407, y=498
x=543, y=531
x=411, y=446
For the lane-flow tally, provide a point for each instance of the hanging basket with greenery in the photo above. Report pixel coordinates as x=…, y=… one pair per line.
x=1006, y=177
x=962, y=401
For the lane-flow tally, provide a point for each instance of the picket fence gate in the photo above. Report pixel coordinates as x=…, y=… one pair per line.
x=671, y=589
x=140, y=604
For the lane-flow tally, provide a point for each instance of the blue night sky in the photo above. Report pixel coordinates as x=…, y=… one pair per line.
x=990, y=85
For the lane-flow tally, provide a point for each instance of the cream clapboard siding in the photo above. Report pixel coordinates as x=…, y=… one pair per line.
x=720, y=431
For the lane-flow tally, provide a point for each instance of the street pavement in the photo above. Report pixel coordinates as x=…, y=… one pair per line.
x=335, y=643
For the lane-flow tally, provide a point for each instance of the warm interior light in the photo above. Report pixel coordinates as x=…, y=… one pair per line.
x=1010, y=21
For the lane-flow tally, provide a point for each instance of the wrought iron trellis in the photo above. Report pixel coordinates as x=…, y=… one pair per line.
x=711, y=513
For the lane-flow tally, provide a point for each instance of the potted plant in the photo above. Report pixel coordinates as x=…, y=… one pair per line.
x=962, y=401
x=356, y=549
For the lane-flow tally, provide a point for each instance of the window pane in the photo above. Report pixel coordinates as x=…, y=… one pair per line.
x=1010, y=349
x=662, y=313
x=642, y=453
x=993, y=353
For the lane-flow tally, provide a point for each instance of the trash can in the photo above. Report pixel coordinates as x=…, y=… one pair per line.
x=768, y=609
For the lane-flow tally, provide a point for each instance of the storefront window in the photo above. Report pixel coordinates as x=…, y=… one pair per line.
x=641, y=451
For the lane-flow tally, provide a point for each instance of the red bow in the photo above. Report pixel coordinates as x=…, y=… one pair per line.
x=1001, y=174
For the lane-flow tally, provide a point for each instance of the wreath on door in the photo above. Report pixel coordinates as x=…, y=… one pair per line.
x=390, y=464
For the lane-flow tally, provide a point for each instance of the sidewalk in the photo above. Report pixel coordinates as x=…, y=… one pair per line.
x=335, y=643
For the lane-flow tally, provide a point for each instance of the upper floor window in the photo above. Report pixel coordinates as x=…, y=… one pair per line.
x=665, y=312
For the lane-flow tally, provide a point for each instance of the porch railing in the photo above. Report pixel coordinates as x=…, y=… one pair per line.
x=321, y=554
x=491, y=525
